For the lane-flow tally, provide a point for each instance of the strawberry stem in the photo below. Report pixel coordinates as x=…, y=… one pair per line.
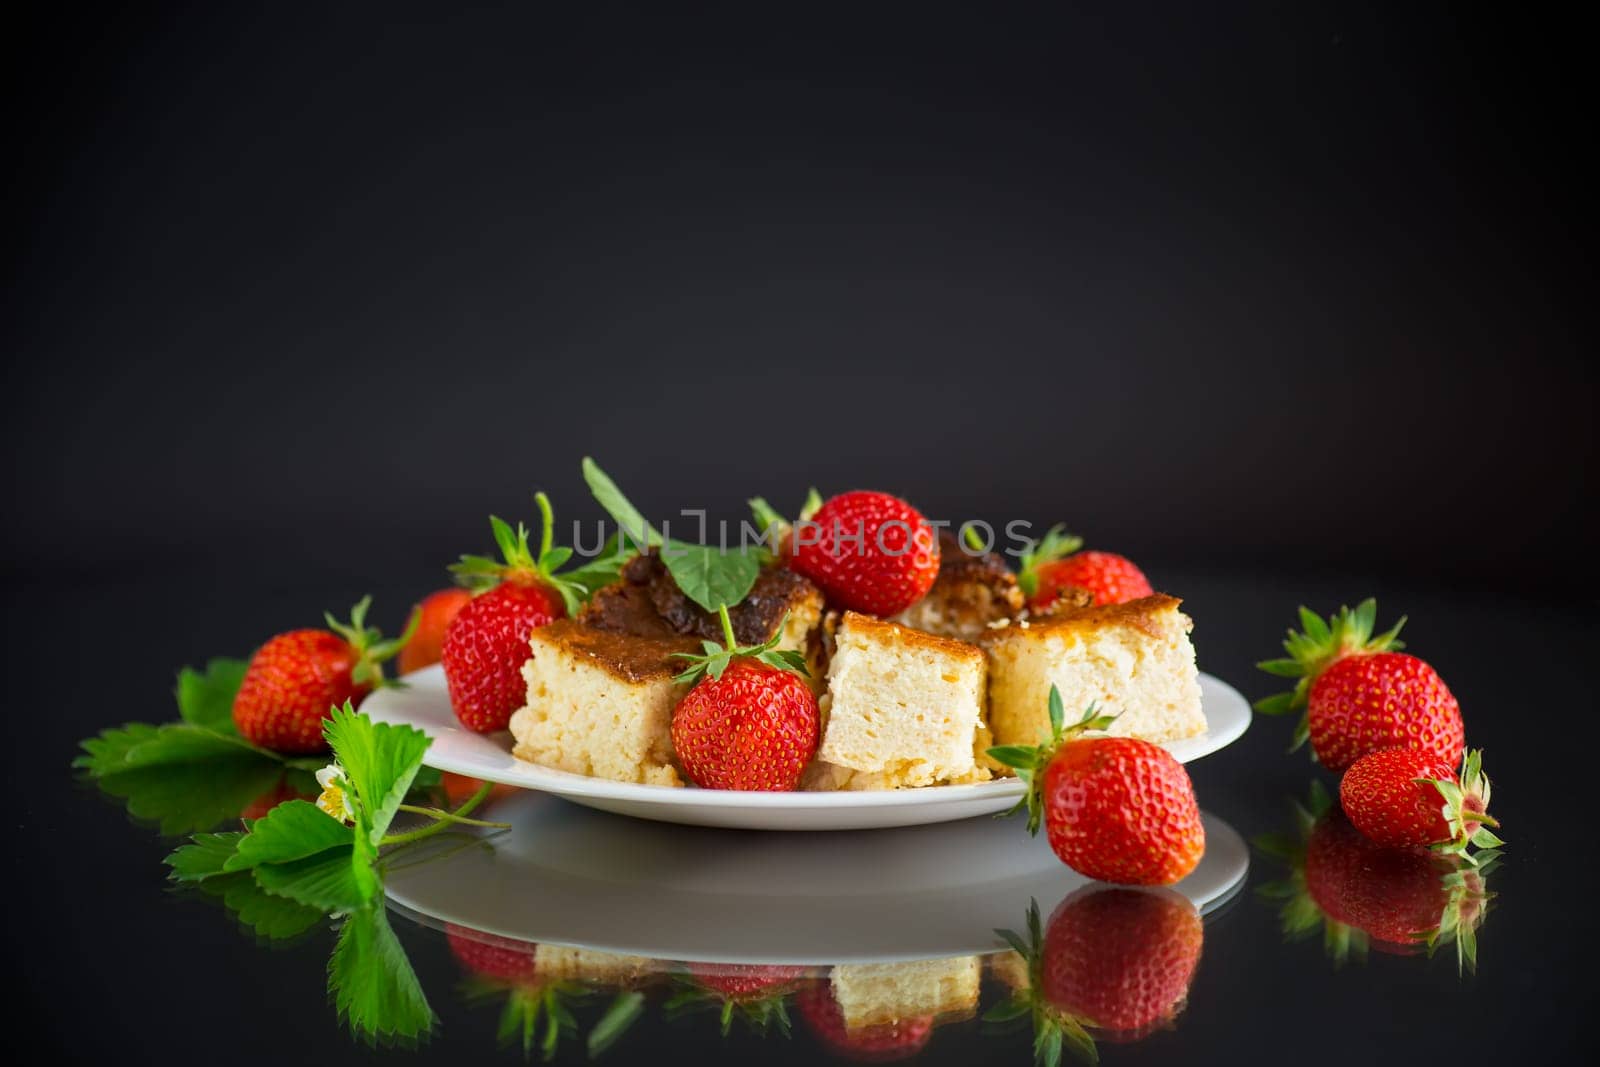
x=445, y=819
x=547, y=524
x=730, y=642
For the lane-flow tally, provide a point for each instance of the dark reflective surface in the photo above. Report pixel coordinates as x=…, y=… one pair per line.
x=1328, y=965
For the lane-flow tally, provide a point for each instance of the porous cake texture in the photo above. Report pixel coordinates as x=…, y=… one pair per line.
x=1132, y=660
x=600, y=703
x=902, y=708
x=874, y=994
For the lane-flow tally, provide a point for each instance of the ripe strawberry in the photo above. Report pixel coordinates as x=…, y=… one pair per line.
x=434, y=615
x=1115, y=961
x=1121, y=960
x=1360, y=695
x=487, y=643
x=296, y=678
x=757, y=991
x=742, y=981
x=869, y=552
x=1358, y=894
x=504, y=959
x=1114, y=808
x=880, y=1043
x=1054, y=566
x=751, y=722
x=278, y=794
x=1393, y=797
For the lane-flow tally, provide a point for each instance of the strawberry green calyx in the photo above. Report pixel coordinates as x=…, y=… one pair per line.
x=370, y=647
x=1053, y=1029
x=1466, y=811
x=1029, y=761
x=775, y=525
x=1055, y=544
x=480, y=573
x=1320, y=645
x=715, y=658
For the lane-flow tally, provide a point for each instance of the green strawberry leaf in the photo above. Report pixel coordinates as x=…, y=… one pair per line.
x=380, y=761
x=330, y=881
x=267, y=915
x=371, y=981
x=293, y=830
x=182, y=777
x=206, y=855
x=205, y=698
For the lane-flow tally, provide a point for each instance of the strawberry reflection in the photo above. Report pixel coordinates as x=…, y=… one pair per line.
x=539, y=985
x=1364, y=897
x=1112, y=964
x=756, y=992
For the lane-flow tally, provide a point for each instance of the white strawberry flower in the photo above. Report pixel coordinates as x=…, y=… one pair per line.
x=333, y=800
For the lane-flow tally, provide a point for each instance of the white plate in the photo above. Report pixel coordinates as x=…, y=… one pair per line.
x=425, y=704
x=570, y=877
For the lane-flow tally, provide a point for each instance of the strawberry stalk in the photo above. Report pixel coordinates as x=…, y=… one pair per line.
x=444, y=819
x=1318, y=646
x=714, y=658
x=370, y=648
x=519, y=563
x=1055, y=544
x=1029, y=761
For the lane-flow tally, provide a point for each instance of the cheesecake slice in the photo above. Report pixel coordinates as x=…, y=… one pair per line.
x=646, y=602
x=971, y=593
x=600, y=703
x=1131, y=660
x=878, y=994
x=902, y=708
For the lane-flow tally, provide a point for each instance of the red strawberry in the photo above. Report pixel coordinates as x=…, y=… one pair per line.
x=1114, y=808
x=751, y=722
x=743, y=981
x=296, y=678
x=881, y=1043
x=1358, y=894
x=503, y=959
x=1359, y=695
x=434, y=615
x=1121, y=960
x=278, y=794
x=487, y=643
x=1055, y=565
x=757, y=991
x=1402, y=797
x=869, y=552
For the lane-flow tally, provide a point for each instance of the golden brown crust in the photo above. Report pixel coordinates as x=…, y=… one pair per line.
x=883, y=630
x=646, y=602
x=1142, y=614
x=629, y=657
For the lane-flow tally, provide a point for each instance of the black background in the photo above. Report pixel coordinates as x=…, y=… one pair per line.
x=1288, y=283
x=1288, y=302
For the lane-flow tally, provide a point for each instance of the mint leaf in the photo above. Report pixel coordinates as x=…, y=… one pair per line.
x=267, y=915
x=372, y=983
x=329, y=881
x=206, y=698
x=291, y=831
x=619, y=1016
x=603, y=569
x=633, y=525
x=709, y=576
x=204, y=856
x=380, y=761
x=183, y=777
